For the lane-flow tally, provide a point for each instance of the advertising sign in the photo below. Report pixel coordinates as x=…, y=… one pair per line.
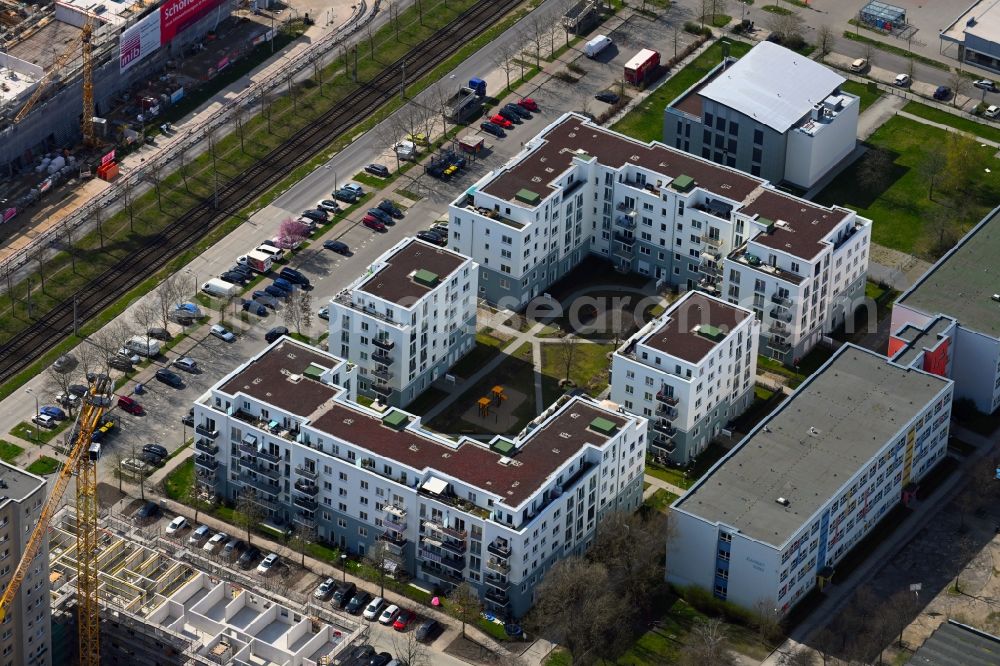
x=176, y=95
x=9, y=213
x=176, y=15
x=139, y=41
x=110, y=157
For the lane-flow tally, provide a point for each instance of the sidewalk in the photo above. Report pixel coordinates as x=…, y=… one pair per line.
x=659, y=484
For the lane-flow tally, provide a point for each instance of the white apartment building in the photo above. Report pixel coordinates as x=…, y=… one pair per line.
x=689, y=371
x=25, y=637
x=773, y=518
x=496, y=514
x=655, y=210
x=406, y=320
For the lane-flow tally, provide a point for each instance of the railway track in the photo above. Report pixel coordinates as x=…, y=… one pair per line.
x=185, y=231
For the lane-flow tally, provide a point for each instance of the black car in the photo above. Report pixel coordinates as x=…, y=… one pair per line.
x=316, y=215
x=233, y=278
x=343, y=594
x=608, y=97
x=346, y=195
x=159, y=334
x=155, y=449
x=294, y=276
x=148, y=510
x=275, y=333
x=276, y=292
x=360, y=655
x=256, y=308
x=381, y=659
x=377, y=170
x=358, y=603
x=390, y=207
x=942, y=93
x=493, y=128
x=188, y=419
x=120, y=363
x=510, y=115
x=519, y=110
x=381, y=215
x=432, y=237
x=427, y=630
x=249, y=557
x=169, y=378
x=242, y=270
x=79, y=390
x=337, y=246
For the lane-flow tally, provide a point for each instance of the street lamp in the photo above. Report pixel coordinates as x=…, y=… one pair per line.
x=343, y=564
x=37, y=412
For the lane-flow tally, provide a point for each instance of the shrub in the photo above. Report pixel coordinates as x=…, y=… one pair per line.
x=795, y=42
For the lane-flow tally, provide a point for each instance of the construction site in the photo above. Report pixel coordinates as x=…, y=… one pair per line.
x=162, y=608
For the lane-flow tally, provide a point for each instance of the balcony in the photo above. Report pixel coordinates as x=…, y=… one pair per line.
x=306, y=472
x=209, y=474
x=665, y=411
x=440, y=528
x=249, y=450
x=456, y=547
x=394, y=539
x=205, y=432
x=664, y=434
x=268, y=504
x=709, y=285
x=268, y=456
x=711, y=241
x=306, y=503
x=276, y=428
x=621, y=207
x=394, y=512
x=500, y=582
x=710, y=257
x=496, y=596
x=305, y=519
x=382, y=389
x=625, y=221
x=779, y=328
x=500, y=549
x=498, y=566
x=269, y=472
x=306, y=487
x=383, y=343
x=781, y=301
x=382, y=374
x=206, y=461
x=383, y=358
x=261, y=485
x=779, y=345
x=781, y=314
x=441, y=574
x=627, y=239
x=205, y=446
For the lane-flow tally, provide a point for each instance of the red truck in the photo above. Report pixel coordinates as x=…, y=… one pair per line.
x=642, y=66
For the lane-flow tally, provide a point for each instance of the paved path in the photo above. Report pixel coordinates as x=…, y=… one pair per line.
x=659, y=484
x=884, y=108
x=947, y=128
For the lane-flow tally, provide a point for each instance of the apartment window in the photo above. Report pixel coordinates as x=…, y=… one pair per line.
x=709, y=119
x=758, y=137
x=733, y=127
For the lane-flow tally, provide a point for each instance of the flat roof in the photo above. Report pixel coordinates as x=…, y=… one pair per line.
x=687, y=326
x=44, y=46
x=961, y=284
x=278, y=377
x=811, y=445
x=985, y=17
x=773, y=85
x=394, y=279
x=17, y=484
x=573, y=134
x=538, y=455
x=956, y=644
x=808, y=223
x=920, y=339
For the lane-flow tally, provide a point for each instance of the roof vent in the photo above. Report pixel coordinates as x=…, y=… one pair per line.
x=813, y=431
x=295, y=379
x=996, y=297
x=348, y=421
x=426, y=278
x=782, y=224
x=505, y=461
x=682, y=183
x=527, y=196
x=604, y=426
x=414, y=448
x=782, y=501
x=574, y=415
x=566, y=435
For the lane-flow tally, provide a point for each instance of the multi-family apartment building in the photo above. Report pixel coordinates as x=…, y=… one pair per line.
x=689, y=372
x=406, y=320
x=578, y=188
x=25, y=633
x=772, y=113
x=771, y=520
x=948, y=322
x=497, y=514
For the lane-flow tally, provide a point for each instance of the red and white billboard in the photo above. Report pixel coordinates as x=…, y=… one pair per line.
x=159, y=28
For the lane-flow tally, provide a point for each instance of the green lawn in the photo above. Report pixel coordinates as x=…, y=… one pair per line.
x=990, y=132
x=660, y=500
x=671, y=475
x=775, y=9
x=487, y=348
x=44, y=465
x=720, y=20
x=9, y=451
x=645, y=121
x=26, y=431
x=589, y=368
x=901, y=209
x=867, y=95
x=179, y=481
x=426, y=400
x=761, y=393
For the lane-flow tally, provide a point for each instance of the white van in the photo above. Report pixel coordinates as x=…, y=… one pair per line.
x=143, y=346
x=220, y=288
x=277, y=254
x=596, y=45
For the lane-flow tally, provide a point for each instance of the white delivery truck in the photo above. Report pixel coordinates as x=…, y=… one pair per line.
x=220, y=288
x=596, y=45
x=256, y=260
x=143, y=346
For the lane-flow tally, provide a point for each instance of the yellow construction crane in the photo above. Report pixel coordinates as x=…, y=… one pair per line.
x=81, y=463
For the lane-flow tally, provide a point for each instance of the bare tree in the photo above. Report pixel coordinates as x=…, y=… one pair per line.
x=305, y=310
x=248, y=512
x=193, y=498
x=240, y=116
x=376, y=557
x=62, y=380
x=99, y=222
x=869, y=52
x=464, y=604
x=166, y=296
x=552, y=35
x=90, y=357
x=707, y=644
x=536, y=33
x=632, y=549
x=900, y=610
x=802, y=656
x=145, y=315
x=567, y=345
x=785, y=25
x=409, y=650
x=958, y=83
x=303, y=536
x=875, y=171
x=825, y=39
x=766, y=617
x=141, y=469
x=504, y=57
x=154, y=171
x=931, y=168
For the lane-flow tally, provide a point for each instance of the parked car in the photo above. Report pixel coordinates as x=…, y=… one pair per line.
x=337, y=246
x=373, y=224
x=186, y=363
x=379, y=170
x=316, y=215
x=324, y=590
x=53, y=411
x=44, y=420
x=519, y=111
x=357, y=189
x=79, y=390
x=942, y=93
x=381, y=215
x=233, y=277
x=254, y=307
x=493, y=128
x=388, y=616
x=119, y=363
x=360, y=655
x=275, y=292
x=345, y=592
x=217, y=540
x=268, y=564
x=859, y=65
x=404, y=619
x=607, y=97
x=177, y=524
x=329, y=205
x=148, y=510
x=419, y=138
x=901, y=80
x=992, y=111
x=345, y=195
x=293, y=276
x=264, y=298
x=169, y=378
x=130, y=405
x=156, y=449
x=129, y=355
x=69, y=399
x=275, y=333
x=158, y=333
x=324, y=313
x=432, y=237
x=374, y=608
x=284, y=283
x=249, y=556
x=428, y=630
x=223, y=333
x=497, y=119
x=381, y=659
x=390, y=207
x=357, y=603
x=64, y=363
x=242, y=270
x=985, y=84
x=528, y=103
x=510, y=116
x=233, y=547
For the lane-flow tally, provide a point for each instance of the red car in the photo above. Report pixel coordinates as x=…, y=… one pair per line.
x=528, y=103
x=404, y=620
x=373, y=223
x=501, y=121
x=130, y=405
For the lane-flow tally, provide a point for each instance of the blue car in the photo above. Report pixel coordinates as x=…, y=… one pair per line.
x=53, y=411
x=282, y=283
x=256, y=308
x=274, y=291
